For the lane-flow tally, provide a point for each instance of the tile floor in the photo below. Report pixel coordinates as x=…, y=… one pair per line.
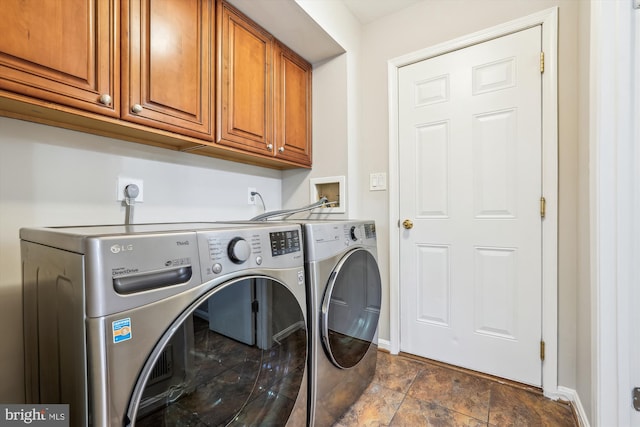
x=410, y=392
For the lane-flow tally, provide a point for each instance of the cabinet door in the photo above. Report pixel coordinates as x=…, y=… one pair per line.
x=292, y=106
x=244, y=83
x=63, y=51
x=167, y=62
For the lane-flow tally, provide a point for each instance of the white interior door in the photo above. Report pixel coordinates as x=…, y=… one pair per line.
x=470, y=162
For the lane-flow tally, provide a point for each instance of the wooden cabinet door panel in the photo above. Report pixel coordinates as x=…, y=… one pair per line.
x=244, y=83
x=293, y=106
x=63, y=51
x=167, y=63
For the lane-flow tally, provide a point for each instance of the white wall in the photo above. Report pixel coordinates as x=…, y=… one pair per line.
x=335, y=108
x=51, y=176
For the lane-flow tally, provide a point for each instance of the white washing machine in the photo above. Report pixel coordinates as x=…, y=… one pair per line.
x=167, y=324
x=344, y=291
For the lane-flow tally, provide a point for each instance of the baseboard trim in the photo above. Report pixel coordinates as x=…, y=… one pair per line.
x=384, y=345
x=572, y=396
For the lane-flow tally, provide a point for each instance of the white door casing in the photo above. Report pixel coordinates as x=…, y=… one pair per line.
x=548, y=21
x=614, y=169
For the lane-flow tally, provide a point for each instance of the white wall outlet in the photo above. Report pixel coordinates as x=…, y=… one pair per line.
x=123, y=182
x=251, y=198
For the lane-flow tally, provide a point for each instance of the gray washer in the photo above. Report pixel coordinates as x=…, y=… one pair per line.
x=109, y=315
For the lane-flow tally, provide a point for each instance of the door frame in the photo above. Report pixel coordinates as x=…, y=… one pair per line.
x=548, y=19
x=614, y=132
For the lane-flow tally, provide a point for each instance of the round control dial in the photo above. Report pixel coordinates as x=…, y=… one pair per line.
x=355, y=233
x=238, y=250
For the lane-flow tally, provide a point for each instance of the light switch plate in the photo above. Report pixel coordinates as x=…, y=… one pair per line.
x=377, y=181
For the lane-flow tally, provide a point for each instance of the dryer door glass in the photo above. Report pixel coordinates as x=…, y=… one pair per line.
x=351, y=308
x=237, y=356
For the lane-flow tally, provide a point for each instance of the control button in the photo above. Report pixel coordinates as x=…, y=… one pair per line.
x=258, y=260
x=238, y=250
x=217, y=268
x=355, y=233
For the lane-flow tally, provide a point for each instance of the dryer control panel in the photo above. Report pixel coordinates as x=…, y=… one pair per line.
x=326, y=239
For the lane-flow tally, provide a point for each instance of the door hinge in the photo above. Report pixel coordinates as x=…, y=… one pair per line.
x=542, y=350
x=543, y=207
x=542, y=62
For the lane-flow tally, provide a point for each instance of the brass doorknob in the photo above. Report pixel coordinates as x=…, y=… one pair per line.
x=408, y=224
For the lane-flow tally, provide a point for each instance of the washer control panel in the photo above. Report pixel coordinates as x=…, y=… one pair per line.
x=284, y=242
x=227, y=251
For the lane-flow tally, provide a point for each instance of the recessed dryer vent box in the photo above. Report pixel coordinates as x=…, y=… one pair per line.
x=333, y=188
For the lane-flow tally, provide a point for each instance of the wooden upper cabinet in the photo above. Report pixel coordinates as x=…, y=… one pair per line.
x=167, y=62
x=62, y=51
x=184, y=74
x=292, y=106
x=244, y=83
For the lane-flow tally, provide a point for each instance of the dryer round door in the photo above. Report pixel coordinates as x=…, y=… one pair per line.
x=236, y=356
x=351, y=308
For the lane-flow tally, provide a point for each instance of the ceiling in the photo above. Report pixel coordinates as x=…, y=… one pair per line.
x=287, y=21
x=367, y=11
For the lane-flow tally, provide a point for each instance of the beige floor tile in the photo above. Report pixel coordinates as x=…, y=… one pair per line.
x=414, y=412
x=407, y=392
x=514, y=407
x=396, y=373
x=376, y=407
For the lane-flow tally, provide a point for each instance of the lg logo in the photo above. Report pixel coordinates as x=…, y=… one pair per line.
x=121, y=248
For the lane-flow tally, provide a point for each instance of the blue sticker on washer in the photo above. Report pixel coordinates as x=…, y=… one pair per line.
x=121, y=330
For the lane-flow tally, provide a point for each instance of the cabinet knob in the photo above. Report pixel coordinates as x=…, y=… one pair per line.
x=136, y=108
x=270, y=147
x=105, y=99
x=281, y=149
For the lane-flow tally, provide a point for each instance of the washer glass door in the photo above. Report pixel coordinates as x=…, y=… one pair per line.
x=351, y=308
x=237, y=356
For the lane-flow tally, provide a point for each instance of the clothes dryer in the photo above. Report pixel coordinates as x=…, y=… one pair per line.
x=167, y=324
x=344, y=295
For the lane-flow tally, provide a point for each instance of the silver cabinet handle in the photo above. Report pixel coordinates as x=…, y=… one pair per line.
x=137, y=108
x=270, y=147
x=105, y=99
x=281, y=149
